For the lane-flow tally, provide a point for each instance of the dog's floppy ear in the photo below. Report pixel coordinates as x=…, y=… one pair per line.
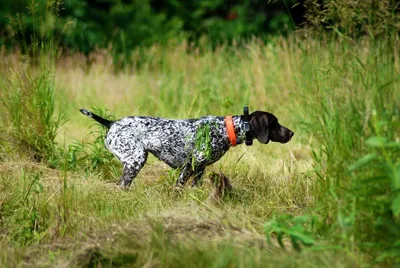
x=259, y=124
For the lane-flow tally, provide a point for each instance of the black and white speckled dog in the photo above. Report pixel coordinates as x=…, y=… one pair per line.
x=131, y=138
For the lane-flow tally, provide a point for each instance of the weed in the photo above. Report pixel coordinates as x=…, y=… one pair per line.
x=341, y=166
x=26, y=218
x=202, y=145
x=347, y=117
x=299, y=229
x=29, y=114
x=30, y=119
x=94, y=156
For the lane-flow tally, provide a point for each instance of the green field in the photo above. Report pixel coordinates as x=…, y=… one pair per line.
x=333, y=191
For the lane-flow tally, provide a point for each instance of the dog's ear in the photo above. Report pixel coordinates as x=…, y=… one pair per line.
x=259, y=124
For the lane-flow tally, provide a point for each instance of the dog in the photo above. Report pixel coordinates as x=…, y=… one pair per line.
x=188, y=144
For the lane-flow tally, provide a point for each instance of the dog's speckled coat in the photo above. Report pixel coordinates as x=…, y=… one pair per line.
x=131, y=138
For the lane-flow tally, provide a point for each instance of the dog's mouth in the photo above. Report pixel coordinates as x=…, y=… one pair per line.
x=283, y=135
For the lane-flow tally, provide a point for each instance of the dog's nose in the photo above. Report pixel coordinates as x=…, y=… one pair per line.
x=291, y=133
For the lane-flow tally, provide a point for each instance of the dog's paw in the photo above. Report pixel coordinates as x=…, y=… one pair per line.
x=123, y=187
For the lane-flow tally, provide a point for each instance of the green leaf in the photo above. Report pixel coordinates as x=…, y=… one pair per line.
x=396, y=177
x=374, y=179
x=363, y=161
x=376, y=141
x=301, y=219
x=303, y=237
x=268, y=236
x=295, y=244
x=392, y=144
x=272, y=226
x=280, y=240
x=396, y=205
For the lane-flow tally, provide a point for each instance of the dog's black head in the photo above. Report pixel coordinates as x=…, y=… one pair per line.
x=265, y=128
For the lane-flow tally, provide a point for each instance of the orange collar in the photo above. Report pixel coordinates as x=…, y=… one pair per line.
x=231, y=130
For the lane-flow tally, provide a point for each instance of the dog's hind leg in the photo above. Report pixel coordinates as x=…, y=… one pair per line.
x=133, y=157
x=131, y=169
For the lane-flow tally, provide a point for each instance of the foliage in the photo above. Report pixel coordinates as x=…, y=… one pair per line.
x=30, y=120
x=23, y=214
x=379, y=171
x=355, y=124
x=202, y=144
x=123, y=25
x=339, y=82
x=354, y=19
x=93, y=156
x=298, y=229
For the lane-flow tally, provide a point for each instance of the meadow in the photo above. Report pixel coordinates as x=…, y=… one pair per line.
x=330, y=197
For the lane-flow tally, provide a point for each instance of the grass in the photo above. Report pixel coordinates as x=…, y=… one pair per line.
x=334, y=186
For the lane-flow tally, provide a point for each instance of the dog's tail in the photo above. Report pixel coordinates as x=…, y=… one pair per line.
x=101, y=120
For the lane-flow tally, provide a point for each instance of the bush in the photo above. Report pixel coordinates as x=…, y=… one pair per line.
x=354, y=107
x=94, y=156
x=24, y=212
x=28, y=111
x=30, y=120
x=124, y=25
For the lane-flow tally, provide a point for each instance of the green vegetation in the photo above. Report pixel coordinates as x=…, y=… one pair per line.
x=122, y=25
x=330, y=197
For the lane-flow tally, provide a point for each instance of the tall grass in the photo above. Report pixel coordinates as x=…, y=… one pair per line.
x=332, y=192
x=28, y=111
x=355, y=100
x=30, y=120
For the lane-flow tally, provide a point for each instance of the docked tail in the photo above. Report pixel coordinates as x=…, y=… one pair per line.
x=101, y=120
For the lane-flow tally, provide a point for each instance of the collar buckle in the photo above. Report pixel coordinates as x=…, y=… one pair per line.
x=249, y=136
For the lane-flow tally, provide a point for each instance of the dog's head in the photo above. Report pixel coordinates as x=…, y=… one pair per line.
x=266, y=128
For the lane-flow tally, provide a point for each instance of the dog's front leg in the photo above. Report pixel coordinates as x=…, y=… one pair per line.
x=198, y=174
x=185, y=174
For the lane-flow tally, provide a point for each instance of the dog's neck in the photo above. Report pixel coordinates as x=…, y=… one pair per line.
x=239, y=129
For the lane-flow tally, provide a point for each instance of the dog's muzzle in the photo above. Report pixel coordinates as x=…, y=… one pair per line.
x=286, y=134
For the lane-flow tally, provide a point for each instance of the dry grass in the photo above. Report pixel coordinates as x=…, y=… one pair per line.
x=83, y=219
x=265, y=180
